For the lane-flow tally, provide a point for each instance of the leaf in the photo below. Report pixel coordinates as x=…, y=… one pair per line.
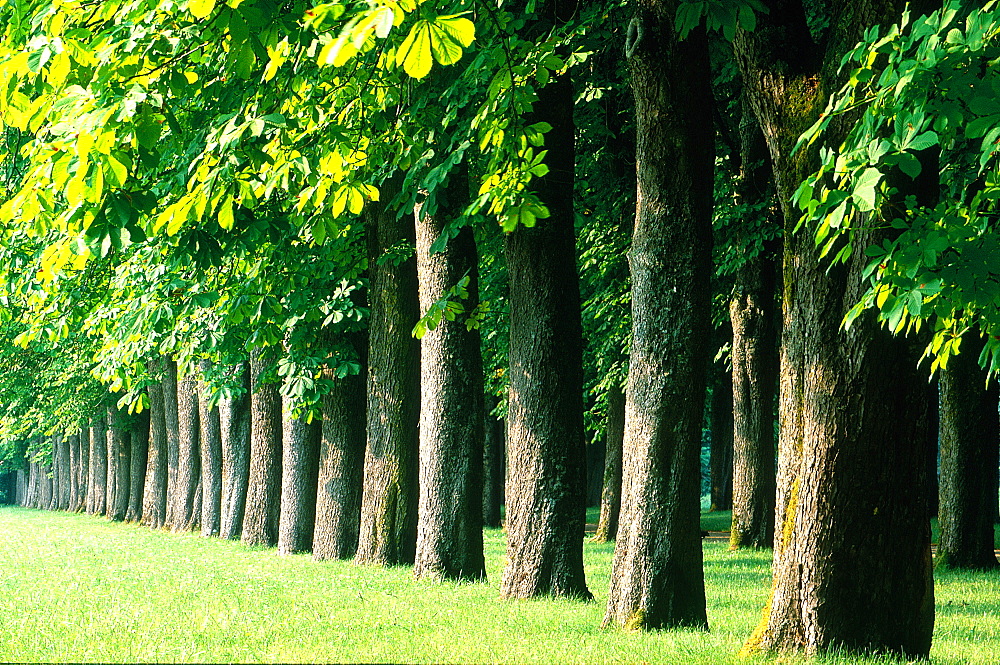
x=461, y=30
x=923, y=141
x=414, y=54
x=201, y=8
x=909, y=164
x=226, y=220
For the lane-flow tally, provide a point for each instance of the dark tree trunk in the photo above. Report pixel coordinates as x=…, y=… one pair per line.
x=545, y=444
x=852, y=566
x=970, y=445
x=596, y=452
x=211, y=462
x=342, y=455
x=119, y=463
x=611, y=494
x=139, y=448
x=931, y=457
x=388, y=533
x=657, y=579
x=83, y=480
x=234, y=420
x=299, y=465
x=62, y=444
x=47, y=487
x=98, y=466
x=720, y=462
x=73, y=443
x=154, y=502
x=450, y=526
x=171, y=421
x=188, y=454
x=263, y=504
x=493, y=467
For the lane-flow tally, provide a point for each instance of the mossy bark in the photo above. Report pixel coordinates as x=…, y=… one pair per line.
x=611, y=492
x=211, y=460
x=263, y=504
x=300, y=460
x=234, y=431
x=154, y=501
x=657, y=579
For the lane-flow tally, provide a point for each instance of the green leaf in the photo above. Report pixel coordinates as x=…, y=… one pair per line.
x=201, y=8
x=414, y=54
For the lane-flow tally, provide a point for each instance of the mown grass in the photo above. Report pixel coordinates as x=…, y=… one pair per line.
x=78, y=588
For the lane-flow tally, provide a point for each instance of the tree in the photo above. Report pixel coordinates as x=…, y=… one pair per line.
x=263, y=504
x=234, y=430
x=210, y=436
x=721, y=452
x=139, y=451
x=96, y=497
x=300, y=459
x=188, y=455
x=611, y=494
x=154, y=501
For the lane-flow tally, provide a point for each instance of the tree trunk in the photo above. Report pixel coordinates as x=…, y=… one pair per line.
x=263, y=504
x=65, y=471
x=98, y=466
x=299, y=464
x=493, y=466
x=970, y=446
x=611, y=493
x=73, y=442
x=234, y=421
x=450, y=526
x=389, y=498
x=657, y=579
x=852, y=565
x=342, y=454
x=154, y=502
x=211, y=461
x=721, y=452
x=120, y=463
x=139, y=440
x=188, y=454
x=83, y=479
x=172, y=424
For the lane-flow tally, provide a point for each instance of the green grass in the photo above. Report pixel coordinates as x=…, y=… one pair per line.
x=77, y=588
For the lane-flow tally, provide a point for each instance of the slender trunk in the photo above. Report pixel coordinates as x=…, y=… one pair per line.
x=188, y=454
x=171, y=421
x=721, y=452
x=299, y=463
x=493, y=466
x=388, y=532
x=342, y=454
x=657, y=579
x=73, y=442
x=970, y=446
x=83, y=480
x=234, y=421
x=450, y=526
x=611, y=493
x=263, y=504
x=139, y=440
x=98, y=466
x=154, y=503
x=211, y=461
x=47, y=488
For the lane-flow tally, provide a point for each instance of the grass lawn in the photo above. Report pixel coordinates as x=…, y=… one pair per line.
x=78, y=588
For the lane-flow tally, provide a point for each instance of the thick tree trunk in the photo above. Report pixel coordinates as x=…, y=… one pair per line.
x=172, y=424
x=299, y=467
x=188, y=454
x=119, y=463
x=98, y=466
x=388, y=533
x=970, y=446
x=342, y=454
x=73, y=443
x=83, y=479
x=234, y=421
x=263, y=504
x=154, y=502
x=139, y=440
x=450, y=526
x=611, y=493
x=494, y=458
x=62, y=444
x=852, y=565
x=657, y=579
x=720, y=462
x=211, y=461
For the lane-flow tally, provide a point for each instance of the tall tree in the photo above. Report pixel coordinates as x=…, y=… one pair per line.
x=657, y=578
x=119, y=444
x=611, y=492
x=139, y=451
x=154, y=502
x=263, y=504
x=299, y=466
x=83, y=482
x=171, y=420
x=97, y=498
x=234, y=430
x=720, y=461
x=211, y=460
x=188, y=455
x=494, y=463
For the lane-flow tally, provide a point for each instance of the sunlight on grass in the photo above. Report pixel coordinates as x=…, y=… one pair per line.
x=78, y=588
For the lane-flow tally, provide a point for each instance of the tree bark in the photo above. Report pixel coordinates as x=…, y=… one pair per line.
x=450, y=525
x=263, y=504
x=154, y=502
x=493, y=466
x=342, y=454
x=657, y=579
x=172, y=424
x=73, y=442
x=98, y=466
x=970, y=446
x=388, y=532
x=211, y=461
x=234, y=420
x=188, y=454
x=120, y=463
x=852, y=563
x=299, y=464
x=83, y=480
x=611, y=493
x=721, y=451
x=65, y=471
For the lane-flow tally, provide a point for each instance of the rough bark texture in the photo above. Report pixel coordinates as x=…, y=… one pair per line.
x=852, y=565
x=97, y=498
x=234, y=420
x=657, y=579
x=170, y=419
x=211, y=462
x=73, y=443
x=139, y=448
x=494, y=463
x=970, y=445
x=62, y=446
x=611, y=493
x=388, y=533
x=188, y=454
x=154, y=501
x=450, y=524
x=720, y=461
x=119, y=463
x=299, y=462
x=263, y=504
x=83, y=480
x=342, y=455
